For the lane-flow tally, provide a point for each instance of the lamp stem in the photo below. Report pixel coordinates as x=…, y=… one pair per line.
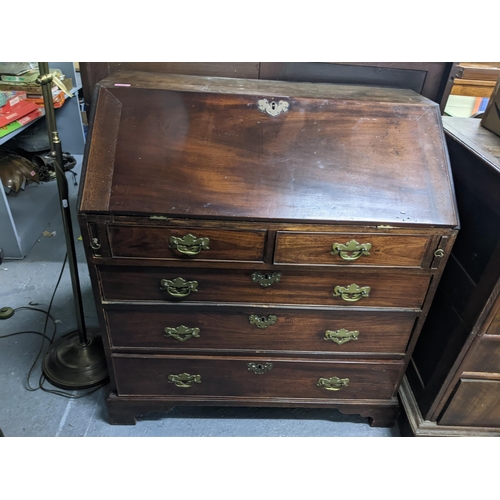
x=76, y=360
x=62, y=185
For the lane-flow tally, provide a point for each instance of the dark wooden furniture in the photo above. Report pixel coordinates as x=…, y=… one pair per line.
x=453, y=385
x=433, y=80
x=262, y=243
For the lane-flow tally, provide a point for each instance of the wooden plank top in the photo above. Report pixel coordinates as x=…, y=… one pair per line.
x=474, y=137
x=272, y=88
x=202, y=147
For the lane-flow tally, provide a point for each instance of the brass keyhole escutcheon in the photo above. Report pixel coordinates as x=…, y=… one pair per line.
x=259, y=368
x=265, y=279
x=262, y=321
x=273, y=108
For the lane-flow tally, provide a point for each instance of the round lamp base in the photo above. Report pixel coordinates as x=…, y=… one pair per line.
x=71, y=365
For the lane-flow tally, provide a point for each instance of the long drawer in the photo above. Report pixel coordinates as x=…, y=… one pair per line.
x=351, y=249
x=197, y=328
x=345, y=288
x=254, y=377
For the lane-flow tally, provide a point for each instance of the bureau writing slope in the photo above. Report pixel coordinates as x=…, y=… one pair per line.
x=262, y=243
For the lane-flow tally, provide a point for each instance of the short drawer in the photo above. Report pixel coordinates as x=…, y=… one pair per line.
x=342, y=288
x=264, y=330
x=484, y=357
x=169, y=243
x=351, y=249
x=254, y=377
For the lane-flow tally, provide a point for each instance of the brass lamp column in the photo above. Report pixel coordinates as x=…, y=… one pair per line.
x=77, y=360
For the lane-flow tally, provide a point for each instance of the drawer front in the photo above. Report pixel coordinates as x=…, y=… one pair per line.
x=351, y=249
x=254, y=377
x=165, y=243
x=261, y=330
x=341, y=288
x=475, y=403
x=484, y=357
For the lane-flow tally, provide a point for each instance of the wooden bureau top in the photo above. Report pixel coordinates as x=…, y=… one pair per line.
x=203, y=147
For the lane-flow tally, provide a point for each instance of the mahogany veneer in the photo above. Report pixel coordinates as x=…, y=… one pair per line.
x=245, y=256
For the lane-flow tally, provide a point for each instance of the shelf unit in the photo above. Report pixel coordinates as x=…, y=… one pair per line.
x=25, y=216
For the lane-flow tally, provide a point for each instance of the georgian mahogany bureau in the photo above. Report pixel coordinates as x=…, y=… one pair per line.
x=453, y=381
x=262, y=243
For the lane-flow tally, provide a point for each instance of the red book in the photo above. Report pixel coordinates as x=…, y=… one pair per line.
x=30, y=116
x=12, y=127
x=22, y=108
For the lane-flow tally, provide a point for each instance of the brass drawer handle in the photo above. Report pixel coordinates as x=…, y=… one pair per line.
x=341, y=336
x=259, y=368
x=184, y=380
x=352, y=250
x=182, y=333
x=189, y=244
x=262, y=321
x=333, y=383
x=265, y=279
x=179, y=287
x=351, y=293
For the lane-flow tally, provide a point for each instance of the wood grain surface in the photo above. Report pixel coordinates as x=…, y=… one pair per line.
x=345, y=154
x=229, y=329
x=227, y=376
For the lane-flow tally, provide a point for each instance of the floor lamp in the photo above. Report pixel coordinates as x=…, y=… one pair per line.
x=76, y=360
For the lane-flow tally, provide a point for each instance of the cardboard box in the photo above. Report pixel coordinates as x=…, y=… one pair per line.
x=491, y=118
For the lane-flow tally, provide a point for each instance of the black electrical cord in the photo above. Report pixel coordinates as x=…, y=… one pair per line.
x=28, y=386
x=44, y=336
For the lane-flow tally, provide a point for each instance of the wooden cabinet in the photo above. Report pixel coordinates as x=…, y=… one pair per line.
x=453, y=385
x=262, y=243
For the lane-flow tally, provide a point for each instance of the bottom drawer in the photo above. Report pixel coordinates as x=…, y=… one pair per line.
x=475, y=403
x=254, y=377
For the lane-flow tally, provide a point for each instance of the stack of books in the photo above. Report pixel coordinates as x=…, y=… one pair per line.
x=27, y=82
x=16, y=111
